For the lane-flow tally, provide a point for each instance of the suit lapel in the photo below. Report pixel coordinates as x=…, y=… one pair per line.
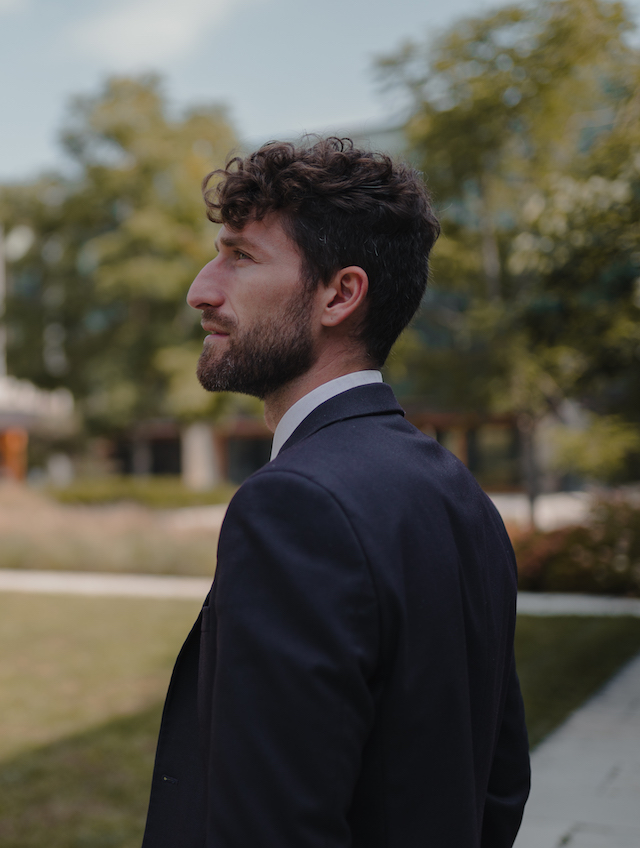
x=371, y=399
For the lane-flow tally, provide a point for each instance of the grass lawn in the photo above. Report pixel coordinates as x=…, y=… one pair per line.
x=70, y=663
x=562, y=660
x=81, y=692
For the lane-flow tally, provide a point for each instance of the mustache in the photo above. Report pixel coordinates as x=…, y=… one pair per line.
x=221, y=322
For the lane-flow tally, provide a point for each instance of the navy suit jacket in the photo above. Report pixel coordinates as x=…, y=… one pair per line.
x=350, y=680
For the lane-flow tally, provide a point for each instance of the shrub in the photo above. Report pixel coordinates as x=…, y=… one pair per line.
x=38, y=533
x=158, y=492
x=602, y=557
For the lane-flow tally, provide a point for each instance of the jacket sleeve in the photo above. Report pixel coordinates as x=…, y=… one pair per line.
x=296, y=638
x=510, y=776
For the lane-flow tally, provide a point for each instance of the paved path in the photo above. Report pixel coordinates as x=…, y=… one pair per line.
x=586, y=775
x=558, y=509
x=165, y=586
x=109, y=585
x=557, y=603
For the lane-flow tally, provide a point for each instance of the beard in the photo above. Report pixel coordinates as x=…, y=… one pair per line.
x=267, y=356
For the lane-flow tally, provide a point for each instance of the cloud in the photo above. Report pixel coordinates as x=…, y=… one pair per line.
x=7, y=6
x=139, y=33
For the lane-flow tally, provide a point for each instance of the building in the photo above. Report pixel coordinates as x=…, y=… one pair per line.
x=26, y=409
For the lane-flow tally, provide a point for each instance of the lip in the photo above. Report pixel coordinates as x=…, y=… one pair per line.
x=213, y=331
x=213, y=336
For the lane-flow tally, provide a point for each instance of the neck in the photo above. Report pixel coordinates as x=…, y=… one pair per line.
x=277, y=403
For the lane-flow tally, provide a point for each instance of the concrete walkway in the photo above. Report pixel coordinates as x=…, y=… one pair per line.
x=552, y=511
x=558, y=603
x=107, y=585
x=166, y=586
x=586, y=775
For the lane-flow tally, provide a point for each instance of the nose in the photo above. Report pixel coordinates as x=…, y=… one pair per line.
x=205, y=290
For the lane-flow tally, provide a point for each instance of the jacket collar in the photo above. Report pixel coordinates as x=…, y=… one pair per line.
x=372, y=399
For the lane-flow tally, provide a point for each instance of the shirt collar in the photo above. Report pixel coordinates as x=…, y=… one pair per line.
x=296, y=414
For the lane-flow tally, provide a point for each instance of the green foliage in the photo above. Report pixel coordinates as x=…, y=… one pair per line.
x=599, y=451
x=97, y=299
x=155, y=491
x=602, y=557
x=491, y=95
x=526, y=122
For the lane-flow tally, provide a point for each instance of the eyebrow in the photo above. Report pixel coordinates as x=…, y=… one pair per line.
x=233, y=241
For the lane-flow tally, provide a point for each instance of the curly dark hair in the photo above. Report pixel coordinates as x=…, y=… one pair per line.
x=341, y=206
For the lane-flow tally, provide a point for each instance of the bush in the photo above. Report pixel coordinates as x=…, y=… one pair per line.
x=601, y=558
x=155, y=491
x=38, y=533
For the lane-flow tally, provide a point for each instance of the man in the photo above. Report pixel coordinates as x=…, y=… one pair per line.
x=350, y=680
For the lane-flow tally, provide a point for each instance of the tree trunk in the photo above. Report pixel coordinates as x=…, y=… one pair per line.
x=530, y=471
x=490, y=252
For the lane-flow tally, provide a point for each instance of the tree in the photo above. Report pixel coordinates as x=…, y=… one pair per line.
x=97, y=297
x=526, y=124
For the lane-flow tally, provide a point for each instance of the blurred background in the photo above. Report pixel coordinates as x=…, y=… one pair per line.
x=524, y=359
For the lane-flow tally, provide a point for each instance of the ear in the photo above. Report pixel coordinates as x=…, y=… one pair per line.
x=344, y=294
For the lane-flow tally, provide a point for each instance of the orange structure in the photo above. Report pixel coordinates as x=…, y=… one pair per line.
x=13, y=453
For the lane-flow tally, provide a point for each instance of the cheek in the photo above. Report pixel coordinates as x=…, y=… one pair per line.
x=274, y=295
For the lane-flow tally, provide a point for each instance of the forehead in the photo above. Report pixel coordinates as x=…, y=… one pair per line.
x=266, y=237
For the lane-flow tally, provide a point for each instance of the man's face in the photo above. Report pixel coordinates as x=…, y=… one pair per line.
x=257, y=311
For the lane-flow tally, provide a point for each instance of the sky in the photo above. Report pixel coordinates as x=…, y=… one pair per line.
x=282, y=67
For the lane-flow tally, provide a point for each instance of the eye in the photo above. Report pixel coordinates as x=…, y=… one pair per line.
x=241, y=255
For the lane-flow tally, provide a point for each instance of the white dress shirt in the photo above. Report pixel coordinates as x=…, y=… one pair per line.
x=296, y=414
